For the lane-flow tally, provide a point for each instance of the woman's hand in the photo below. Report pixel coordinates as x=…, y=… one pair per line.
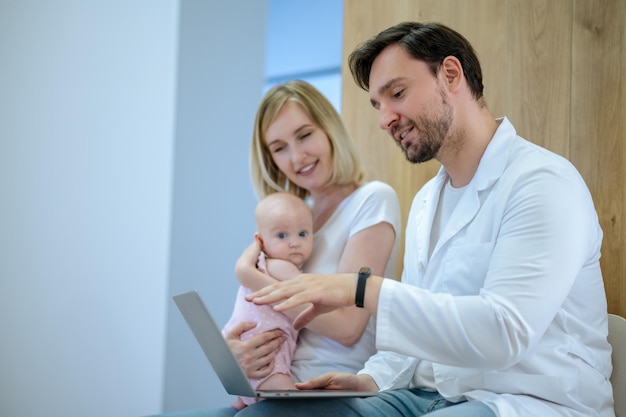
x=340, y=381
x=256, y=354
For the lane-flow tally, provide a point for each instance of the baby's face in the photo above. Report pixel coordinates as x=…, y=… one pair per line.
x=288, y=236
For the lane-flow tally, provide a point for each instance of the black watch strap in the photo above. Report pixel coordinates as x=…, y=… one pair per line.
x=364, y=274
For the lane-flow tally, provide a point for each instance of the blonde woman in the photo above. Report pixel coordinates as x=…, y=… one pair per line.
x=301, y=145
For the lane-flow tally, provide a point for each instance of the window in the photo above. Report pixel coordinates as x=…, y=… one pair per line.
x=304, y=41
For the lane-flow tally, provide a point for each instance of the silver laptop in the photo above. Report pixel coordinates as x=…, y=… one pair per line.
x=233, y=378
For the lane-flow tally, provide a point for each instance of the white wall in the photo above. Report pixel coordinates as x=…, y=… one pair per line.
x=220, y=83
x=124, y=144
x=87, y=105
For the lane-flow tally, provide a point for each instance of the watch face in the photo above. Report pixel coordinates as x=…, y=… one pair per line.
x=365, y=270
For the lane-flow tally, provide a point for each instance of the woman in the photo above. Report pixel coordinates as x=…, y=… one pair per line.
x=300, y=145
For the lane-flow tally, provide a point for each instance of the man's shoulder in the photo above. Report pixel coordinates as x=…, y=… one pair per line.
x=527, y=156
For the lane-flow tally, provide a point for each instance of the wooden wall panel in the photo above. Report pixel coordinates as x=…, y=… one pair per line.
x=538, y=51
x=555, y=68
x=598, y=127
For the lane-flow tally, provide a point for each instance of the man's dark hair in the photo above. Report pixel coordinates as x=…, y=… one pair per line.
x=428, y=42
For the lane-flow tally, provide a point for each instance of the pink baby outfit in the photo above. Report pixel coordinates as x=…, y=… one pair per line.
x=266, y=319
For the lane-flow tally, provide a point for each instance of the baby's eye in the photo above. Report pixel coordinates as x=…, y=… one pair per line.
x=282, y=235
x=304, y=234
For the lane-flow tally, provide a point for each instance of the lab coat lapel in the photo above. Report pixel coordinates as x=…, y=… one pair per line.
x=490, y=169
x=425, y=218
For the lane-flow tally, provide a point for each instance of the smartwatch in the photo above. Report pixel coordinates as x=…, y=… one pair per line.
x=364, y=274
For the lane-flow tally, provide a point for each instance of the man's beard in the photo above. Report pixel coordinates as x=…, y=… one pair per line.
x=432, y=134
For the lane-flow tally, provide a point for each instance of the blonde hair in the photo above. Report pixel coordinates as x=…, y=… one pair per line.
x=266, y=177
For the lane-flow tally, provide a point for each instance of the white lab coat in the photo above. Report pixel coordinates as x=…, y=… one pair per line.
x=510, y=308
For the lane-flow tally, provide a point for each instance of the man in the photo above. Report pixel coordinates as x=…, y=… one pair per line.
x=501, y=310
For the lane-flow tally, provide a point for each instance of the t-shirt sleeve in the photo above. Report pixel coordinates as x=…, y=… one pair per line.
x=377, y=202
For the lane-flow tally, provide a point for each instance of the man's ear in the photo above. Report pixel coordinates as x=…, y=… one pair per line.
x=452, y=72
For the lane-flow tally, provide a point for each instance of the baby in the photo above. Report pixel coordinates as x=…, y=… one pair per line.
x=285, y=233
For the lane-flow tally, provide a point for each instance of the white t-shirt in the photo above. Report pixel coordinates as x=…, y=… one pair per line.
x=372, y=203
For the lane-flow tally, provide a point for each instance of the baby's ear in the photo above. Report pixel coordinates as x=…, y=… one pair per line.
x=258, y=238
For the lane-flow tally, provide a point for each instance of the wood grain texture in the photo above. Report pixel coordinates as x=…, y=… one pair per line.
x=555, y=68
x=598, y=148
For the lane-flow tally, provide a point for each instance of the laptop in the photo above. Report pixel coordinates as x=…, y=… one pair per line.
x=232, y=376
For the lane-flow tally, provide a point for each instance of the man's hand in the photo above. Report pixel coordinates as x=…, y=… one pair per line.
x=255, y=354
x=324, y=292
x=340, y=381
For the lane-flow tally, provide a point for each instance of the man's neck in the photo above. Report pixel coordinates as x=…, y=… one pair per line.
x=472, y=135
